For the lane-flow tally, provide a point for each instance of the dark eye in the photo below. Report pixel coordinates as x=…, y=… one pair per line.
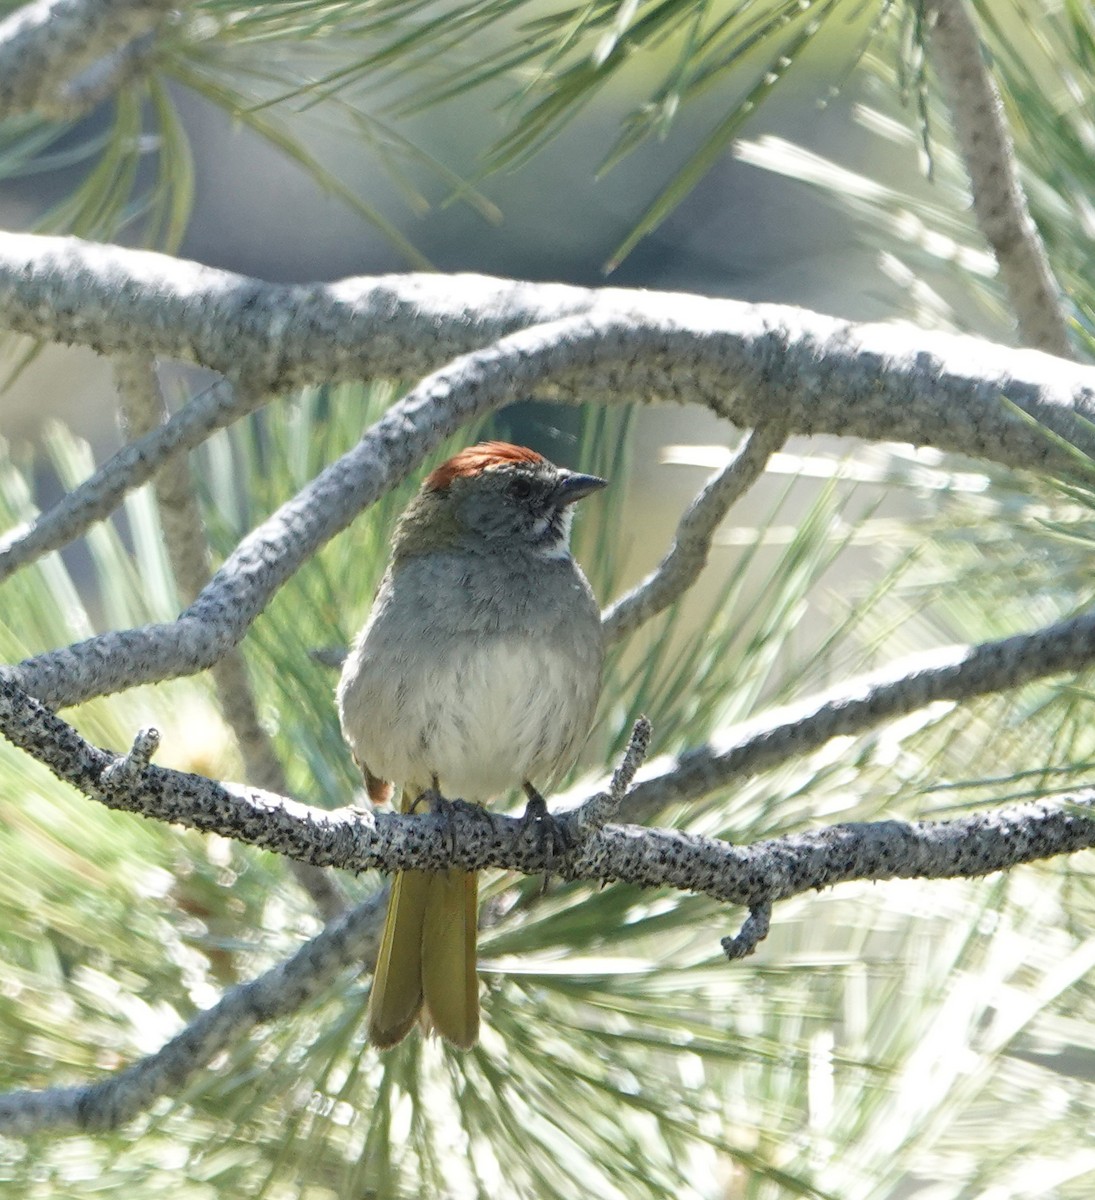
x=520, y=489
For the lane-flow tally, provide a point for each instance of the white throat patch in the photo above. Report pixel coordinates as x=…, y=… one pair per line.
x=557, y=547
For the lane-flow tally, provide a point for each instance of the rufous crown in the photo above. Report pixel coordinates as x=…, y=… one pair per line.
x=476, y=459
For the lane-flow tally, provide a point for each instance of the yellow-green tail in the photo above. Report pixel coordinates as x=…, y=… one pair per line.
x=426, y=962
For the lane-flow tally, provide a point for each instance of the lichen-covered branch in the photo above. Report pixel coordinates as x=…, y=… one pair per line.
x=999, y=202
x=754, y=876
x=890, y=387
x=359, y=840
x=953, y=673
x=754, y=364
x=275, y=337
x=143, y=410
x=688, y=555
x=60, y=57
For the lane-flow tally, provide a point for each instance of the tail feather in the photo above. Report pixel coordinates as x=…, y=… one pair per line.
x=427, y=959
x=396, y=996
x=450, y=985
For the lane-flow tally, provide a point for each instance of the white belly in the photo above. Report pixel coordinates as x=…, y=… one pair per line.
x=482, y=718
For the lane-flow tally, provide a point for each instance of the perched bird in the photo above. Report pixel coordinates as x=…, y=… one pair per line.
x=477, y=672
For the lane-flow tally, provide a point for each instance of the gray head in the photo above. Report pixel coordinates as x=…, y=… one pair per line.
x=498, y=494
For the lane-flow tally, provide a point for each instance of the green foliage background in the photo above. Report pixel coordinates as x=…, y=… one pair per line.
x=885, y=1037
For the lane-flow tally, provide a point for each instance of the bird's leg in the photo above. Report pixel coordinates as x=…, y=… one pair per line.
x=445, y=809
x=439, y=806
x=549, y=832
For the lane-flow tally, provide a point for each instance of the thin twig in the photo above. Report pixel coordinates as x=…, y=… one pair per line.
x=349, y=942
x=753, y=931
x=46, y=44
x=603, y=807
x=896, y=394
x=754, y=876
x=143, y=410
x=688, y=555
x=124, y=772
x=999, y=202
x=133, y=465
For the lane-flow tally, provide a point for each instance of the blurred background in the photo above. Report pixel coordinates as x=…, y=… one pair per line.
x=313, y=154
x=883, y=1039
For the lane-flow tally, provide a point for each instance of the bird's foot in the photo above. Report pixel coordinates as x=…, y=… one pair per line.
x=429, y=796
x=550, y=835
x=447, y=809
x=432, y=799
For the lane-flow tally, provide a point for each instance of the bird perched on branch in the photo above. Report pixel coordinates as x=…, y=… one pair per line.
x=477, y=672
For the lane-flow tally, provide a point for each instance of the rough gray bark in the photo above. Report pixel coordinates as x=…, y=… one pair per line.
x=59, y=58
x=143, y=410
x=754, y=876
x=999, y=203
x=751, y=364
x=474, y=343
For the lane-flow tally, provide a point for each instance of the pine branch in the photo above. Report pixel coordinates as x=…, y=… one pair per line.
x=999, y=202
x=952, y=673
x=810, y=374
x=755, y=876
x=59, y=58
x=133, y=465
x=274, y=337
x=687, y=557
x=143, y=410
x=360, y=840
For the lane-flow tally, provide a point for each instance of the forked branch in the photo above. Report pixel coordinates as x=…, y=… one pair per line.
x=754, y=876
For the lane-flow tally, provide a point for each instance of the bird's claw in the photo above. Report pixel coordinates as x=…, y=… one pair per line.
x=550, y=835
x=447, y=809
